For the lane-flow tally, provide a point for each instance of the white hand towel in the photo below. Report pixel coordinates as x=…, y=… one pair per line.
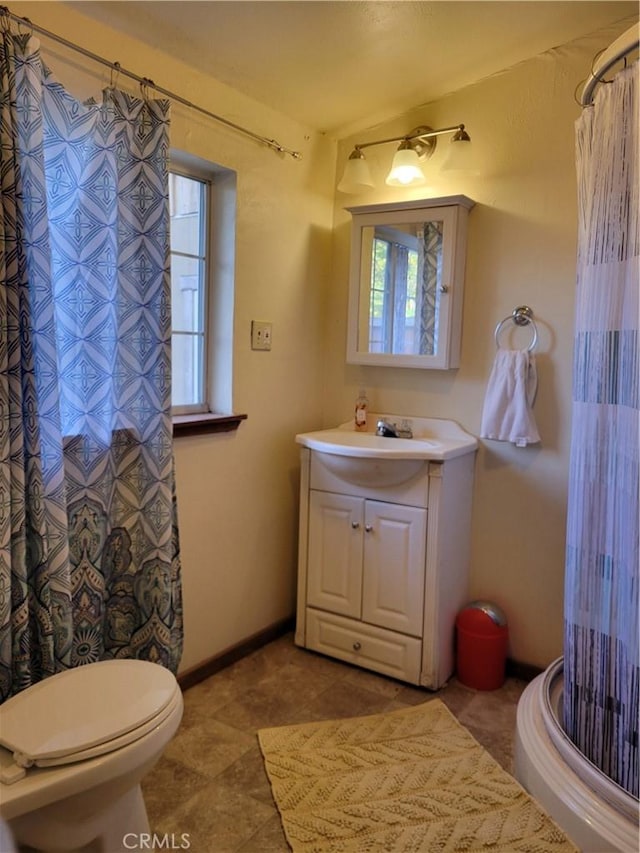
x=511, y=390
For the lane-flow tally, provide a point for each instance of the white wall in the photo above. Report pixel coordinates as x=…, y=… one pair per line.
x=521, y=250
x=237, y=492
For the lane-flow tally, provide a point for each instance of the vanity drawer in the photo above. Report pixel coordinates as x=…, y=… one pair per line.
x=365, y=645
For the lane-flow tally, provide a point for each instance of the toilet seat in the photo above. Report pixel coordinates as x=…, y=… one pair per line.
x=85, y=712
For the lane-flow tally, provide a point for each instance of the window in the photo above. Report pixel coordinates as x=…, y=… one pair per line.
x=202, y=201
x=189, y=206
x=393, y=295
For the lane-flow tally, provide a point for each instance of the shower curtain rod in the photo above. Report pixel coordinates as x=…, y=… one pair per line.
x=617, y=50
x=145, y=81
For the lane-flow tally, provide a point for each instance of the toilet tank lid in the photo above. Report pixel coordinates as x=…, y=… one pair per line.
x=82, y=707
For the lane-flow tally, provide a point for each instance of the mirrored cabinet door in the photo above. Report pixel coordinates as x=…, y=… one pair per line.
x=406, y=283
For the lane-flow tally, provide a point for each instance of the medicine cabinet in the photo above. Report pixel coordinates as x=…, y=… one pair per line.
x=406, y=282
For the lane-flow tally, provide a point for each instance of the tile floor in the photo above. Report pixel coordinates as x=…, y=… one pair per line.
x=211, y=782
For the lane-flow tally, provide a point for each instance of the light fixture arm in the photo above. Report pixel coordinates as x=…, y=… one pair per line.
x=429, y=134
x=415, y=146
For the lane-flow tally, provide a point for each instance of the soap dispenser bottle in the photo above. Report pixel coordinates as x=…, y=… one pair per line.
x=362, y=408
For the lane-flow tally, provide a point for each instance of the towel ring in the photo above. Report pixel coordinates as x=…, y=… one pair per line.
x=521, y=316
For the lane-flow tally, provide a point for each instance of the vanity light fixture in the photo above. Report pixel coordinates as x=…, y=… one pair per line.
x=405, y=168
x=357, y=175
x=415, y=146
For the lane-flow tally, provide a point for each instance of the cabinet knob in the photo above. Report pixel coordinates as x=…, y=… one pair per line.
x=357, y=647
x=368, y=528
x=355, y=524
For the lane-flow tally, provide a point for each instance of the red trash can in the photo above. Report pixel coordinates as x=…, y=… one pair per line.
x=482, y=636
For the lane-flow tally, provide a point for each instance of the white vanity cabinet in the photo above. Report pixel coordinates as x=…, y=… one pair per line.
x=383, y=566
x=366, y=560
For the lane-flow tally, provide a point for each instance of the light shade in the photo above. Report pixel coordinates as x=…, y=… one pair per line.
x=356, y=176
x=461, y=159
x=405, y=169
x=461, y=135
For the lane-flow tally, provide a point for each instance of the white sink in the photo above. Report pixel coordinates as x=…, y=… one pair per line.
x=433, y=438
x=372, y=471
x=368, y=445
x=368, y=459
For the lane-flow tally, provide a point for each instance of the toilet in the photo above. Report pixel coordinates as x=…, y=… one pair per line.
x=73, y=750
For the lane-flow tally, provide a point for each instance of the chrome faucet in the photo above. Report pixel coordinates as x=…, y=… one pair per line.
x=391, y=430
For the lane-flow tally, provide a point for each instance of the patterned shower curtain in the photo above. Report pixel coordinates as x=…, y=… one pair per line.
x=601, y=584
x=89, y=557
x=430, y=249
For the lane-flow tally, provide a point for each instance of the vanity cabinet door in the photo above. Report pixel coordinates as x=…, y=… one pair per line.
x=394, y=567
x=334, y=580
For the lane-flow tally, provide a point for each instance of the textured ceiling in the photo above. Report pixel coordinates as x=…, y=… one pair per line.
x=341, y=66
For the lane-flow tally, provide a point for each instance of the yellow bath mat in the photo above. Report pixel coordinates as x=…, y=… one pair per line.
x=409, y=780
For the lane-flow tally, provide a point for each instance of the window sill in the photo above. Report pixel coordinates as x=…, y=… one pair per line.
x=205, y=423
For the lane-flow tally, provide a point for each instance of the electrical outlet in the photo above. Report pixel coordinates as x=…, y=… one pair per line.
x=260, y=335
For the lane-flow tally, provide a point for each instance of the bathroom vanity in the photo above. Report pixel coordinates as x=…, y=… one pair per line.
x=384, y=546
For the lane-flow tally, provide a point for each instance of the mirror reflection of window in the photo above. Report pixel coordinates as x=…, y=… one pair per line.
x=406, y=266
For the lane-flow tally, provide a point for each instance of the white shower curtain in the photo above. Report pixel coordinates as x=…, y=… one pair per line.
x=601, y=581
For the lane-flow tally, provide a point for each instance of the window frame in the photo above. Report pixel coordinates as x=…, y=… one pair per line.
x=206, y=225
x=215, y=414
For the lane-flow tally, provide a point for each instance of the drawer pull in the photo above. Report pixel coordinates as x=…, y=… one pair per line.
x=355, y=524
x=368, y=528
x=357, y=647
